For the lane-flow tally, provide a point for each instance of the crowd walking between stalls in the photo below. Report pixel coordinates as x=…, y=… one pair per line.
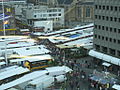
x=78, y=75
x=82, y=68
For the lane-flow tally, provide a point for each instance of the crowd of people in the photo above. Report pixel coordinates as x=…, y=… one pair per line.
x=79, y=78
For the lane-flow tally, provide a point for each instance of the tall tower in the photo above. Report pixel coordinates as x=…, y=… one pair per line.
x=52, y=2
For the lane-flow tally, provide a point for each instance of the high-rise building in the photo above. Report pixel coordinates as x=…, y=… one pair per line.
x=107, y=31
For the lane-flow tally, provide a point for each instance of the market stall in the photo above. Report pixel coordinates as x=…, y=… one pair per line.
x=102, y=80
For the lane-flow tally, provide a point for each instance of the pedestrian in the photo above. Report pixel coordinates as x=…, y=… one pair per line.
x=77, y=84
x=71, y=85
x=100, y=88
x=72, y=65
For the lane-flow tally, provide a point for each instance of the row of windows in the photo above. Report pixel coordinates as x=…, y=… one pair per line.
x=107, y=39
x=115, y=19
x=110, y=29
x=103, y=7
x=105, y=50
x=55, y=14
x=54, y=10
x=46, y=15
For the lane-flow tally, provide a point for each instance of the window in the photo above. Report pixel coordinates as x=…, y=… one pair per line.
x=107, y=18
x=118, y=41
x=102, y=27
x=118, y=30
x=99, y=37
x=110, y=29
x=103, y=17
x=102, y=38
x=59, y=14
x=110, y=39
x=96, y=6
x=54, y=14
x=87, y=12
x=106, y=38
x=99, y=27
x=99, y=7
x=107, y=7
x=99, y=17
x=50, y=14
x=59, y=10
x=111, y=8
x=112, y=51
x=111, y=18
x=116, y=8
x=119, y=19
x=106, y=28
x=103, y=7
x=95, y=36
x=118, y=53
x=114, y=40
x=35, y=15
x=115, y=29
x=115, y=19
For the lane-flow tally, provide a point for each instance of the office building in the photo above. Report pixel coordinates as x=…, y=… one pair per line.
x=107, y=31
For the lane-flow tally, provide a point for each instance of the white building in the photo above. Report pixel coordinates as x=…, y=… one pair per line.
x=47, y=25
x=41, y=13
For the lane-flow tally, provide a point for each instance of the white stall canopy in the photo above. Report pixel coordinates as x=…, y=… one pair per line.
x=115, y=86
x=105, y=57
x=106, y=64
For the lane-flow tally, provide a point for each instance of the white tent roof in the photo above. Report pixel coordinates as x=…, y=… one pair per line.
x=60, y=78
x=115, y=86
x=33, y=58
x=65, y=30
x=20, y=44
x=23, y=79
x=41, y=79
x=32, y=50
x=8, y=68
x=58, y=70
x=105, y=57
x=12, y=72
x=2, y=63
x=106, y=64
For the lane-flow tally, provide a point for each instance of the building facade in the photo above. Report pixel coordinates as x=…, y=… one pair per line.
x=79, y=12
x=107, y=27
x=107, y=31
x=7, y=22
x=44, y=13
x=76, y=11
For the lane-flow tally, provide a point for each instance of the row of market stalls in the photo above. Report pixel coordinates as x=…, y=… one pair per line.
x=109, y=78
x=103, y=80
x=37, y=79
x=76, y=40
x=20, y=47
